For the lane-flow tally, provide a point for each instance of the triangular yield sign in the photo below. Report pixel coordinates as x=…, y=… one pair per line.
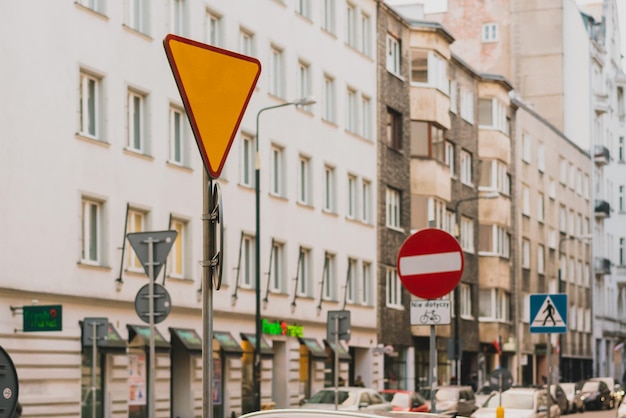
x=162, y=242
x=548, y=315
x=216, y=86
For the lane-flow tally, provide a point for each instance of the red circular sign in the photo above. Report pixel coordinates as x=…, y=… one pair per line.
x=430, y=263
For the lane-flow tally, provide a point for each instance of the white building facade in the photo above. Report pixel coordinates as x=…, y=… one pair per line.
x=95, y=77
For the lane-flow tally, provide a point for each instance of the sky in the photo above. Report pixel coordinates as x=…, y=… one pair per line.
x=435, y=6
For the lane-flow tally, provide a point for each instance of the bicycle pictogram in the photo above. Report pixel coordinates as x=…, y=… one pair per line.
x=430, y=317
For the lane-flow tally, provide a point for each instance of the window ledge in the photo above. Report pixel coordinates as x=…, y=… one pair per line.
x=329, y=212
x=86, y=265
x=305, y=205
x=92, y=140
x=136, y=32
x=135, y=153
x=91, y=11
x=396, y=307
x=178, y=166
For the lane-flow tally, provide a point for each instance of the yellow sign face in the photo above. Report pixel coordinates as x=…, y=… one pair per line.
x=216, y=86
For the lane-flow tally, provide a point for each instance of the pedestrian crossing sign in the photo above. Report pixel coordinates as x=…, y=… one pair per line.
x=548, y=313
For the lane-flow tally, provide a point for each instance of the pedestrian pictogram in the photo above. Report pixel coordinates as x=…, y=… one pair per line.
x=215, y=85
x=548, y=313
x=430, y=263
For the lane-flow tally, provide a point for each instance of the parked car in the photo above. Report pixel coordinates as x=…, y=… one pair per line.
x=560, y=398
x=483, y=393
x=621, y=410
x=519, y=403
x=615, y=387
x=331, y=413
x=596, y=394
x=572, y=392
x=405, y=400
x=348, y=398
x=453, y=400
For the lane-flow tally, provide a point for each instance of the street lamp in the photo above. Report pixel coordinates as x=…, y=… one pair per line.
x=457, y=302
x=257, y=251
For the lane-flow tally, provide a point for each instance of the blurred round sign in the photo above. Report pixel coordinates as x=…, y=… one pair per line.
x=8, y=384
x=501, y=379
x=162, y=303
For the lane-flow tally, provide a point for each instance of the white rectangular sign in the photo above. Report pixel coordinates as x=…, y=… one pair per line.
x=430, y=312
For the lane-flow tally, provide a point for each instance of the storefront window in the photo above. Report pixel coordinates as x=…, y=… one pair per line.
x=137, y=385
x=395, y=372
x=87, y=386
x=247, y=380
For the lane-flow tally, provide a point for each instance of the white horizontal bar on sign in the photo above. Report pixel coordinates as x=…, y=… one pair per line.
x=430, y=263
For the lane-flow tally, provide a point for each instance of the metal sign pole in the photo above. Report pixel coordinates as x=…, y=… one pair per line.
x=433, y=368
x=207, y=302
x=549, y=347
x=336, y=362
x=94, y=355
x=152, y=371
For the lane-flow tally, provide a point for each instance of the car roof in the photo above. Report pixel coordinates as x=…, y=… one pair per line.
x=323, y=413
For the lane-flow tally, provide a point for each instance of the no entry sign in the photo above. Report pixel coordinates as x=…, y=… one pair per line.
x=430, y=263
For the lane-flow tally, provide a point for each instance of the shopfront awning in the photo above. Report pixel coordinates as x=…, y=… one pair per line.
x=113, y=343
x=227, y=343
x=139, y=337
x=315, y=348
x=343, y=353
x=188, y=338
x=266, y=350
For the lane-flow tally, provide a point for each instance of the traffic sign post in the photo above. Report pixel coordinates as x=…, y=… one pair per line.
x=9, y=384
x=430, y=265
x=152, y=249
x=337, y=328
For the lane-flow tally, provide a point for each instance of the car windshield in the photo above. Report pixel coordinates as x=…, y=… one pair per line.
x=387, y=396
x=446, y=395
x=591, y=386
x=511, y=400
x=568, y=388
x=345, y=398
x=485, y=390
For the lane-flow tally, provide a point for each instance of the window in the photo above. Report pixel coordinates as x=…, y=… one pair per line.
x=366, y=198
x=562, y=171
x=177, y=17
x=494, y=240
x=277, y=171
x=467, y=105
x=304, y=272
x=136, y=123
x=246, y=43
x=91, y=232
x=579, y=182
x=393, y=208
x=541, y=259
x=90, y=106
x=329, y=99
x=136, y=223
x=247, y=262
x=525, y=200
x=490, y=32
x=304, y=183
x=622, y=249
x=494, y=177
x=329, y=282
x=541, y=157
x=393, y=288
x=394, y=129
x=177, y=137
x=620, y=198
x=352, y=197
x=329, y=189
x=526, y=148
x=328, y=19
x=303, y=8
x=351, y=16
x=95, y=5
x=137, y=15
x=465, y=301
x=177, y=256
x=562, y=219
x=366, y=34
x=212, y=35
x=465, y=173
x=366, y=284
x=430, y=68
x=540, y=207
x=492, y=115
x=277, y=72
x=427, y=140
x=449, y=156
x=525, y=254
x=586, y=186
x=351, y=280
x=466, y=235
x=304, y=82
x=439, y=216
x=453, y=96
x=352, y=111
x=366, y=110
x=620, y=149
x=494, y=305
x=277, y=278
x=393, y=55
x=248, y=150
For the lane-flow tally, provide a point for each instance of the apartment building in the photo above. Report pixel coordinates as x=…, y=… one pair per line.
x=95, y=76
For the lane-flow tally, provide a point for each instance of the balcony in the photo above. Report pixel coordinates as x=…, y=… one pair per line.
x=601, y=104
x=601, y=155
x=602, y=209
x=431, y=104
x=601, y=265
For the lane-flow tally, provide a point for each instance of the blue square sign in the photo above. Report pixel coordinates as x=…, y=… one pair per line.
x=548, y=313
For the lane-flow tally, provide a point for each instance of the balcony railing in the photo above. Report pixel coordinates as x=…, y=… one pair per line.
x=602, y=209
x=601, y=154
x=602, y=265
